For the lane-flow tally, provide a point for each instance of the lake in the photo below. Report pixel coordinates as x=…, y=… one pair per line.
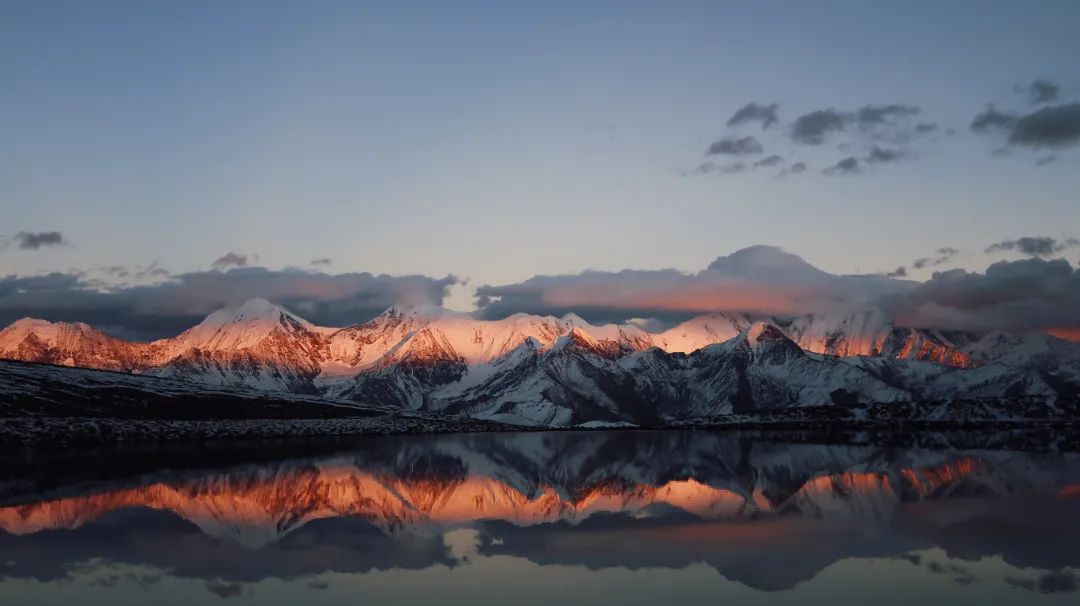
x=627, y=517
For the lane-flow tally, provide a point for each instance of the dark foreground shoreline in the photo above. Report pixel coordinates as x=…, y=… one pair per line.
x=54, y=431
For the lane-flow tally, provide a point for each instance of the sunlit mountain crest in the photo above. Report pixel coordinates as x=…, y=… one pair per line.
x=263, y=330
x=542, y=370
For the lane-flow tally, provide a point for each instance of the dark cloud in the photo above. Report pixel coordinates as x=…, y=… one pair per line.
x=322, y=261
x=941, y=255
x=1042, y=91
x=225, y=590
x=1062, y=581
x=731, y=146
x=160, y=310
x=772, y=160
x=877, y=121
x=151, y=271
x=756, y=112
x=847, y=166
x=882, y=155
x=815, y=127
x=1053, y=126
x=1035, y=246
x=872, y=116
x=794, y=169
x=1056, y=126
x=1043, y=161
x=1030, y=294
x=992, y=120
x=230, y=259
x=925, y=127
x=137, y=272
x=757, y=280
x=713, y=168
x=899, y=272
x=35, y=240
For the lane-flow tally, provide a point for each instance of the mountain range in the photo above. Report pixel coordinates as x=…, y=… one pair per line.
x=548, y=371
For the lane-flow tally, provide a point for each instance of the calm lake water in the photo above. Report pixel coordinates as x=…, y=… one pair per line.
x=547, y=518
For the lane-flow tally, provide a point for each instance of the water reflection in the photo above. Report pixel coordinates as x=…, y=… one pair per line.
x=768, y=515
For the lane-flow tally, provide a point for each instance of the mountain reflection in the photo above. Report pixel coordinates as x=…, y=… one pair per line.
x=766, y=513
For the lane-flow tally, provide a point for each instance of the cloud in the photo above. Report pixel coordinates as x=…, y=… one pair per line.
x=36, y=240
x=230, y=259
x=712, y=168
x=878, y=121
x=881, y=155
x=815, y=127
x=991, y=120
x=165, y=309
x=757, y=280
x=322, y=261
x=847, y=166
x=1030, y=294
x=942, y=255
x=755, y=112
x=1042, y=91
x=872, y=116
x=772, y=160
x=1035, y=246
x=743, y=146
x=1056, y=126
x=794, y=169
x=225, y=590
x=925, y=127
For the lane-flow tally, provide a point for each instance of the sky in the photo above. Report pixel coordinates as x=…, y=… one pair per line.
x=493, y=142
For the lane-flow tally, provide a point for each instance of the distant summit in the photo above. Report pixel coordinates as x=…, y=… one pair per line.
x=768, y=263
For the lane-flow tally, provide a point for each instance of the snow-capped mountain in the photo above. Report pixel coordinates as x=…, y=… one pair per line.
x=70, y=344
x=542, y=370
x=257, y=344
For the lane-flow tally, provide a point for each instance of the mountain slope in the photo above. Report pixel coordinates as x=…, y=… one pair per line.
x=71, y=344
x=256, y=345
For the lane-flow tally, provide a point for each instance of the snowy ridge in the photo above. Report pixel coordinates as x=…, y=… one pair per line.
x=542, y=370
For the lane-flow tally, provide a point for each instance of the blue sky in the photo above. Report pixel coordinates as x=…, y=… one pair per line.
x=496, y=141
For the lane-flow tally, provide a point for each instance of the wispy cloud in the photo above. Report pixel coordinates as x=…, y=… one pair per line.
x=847, y=166
x=1035, y=246
x=230, y=259
x=766, y=114
x=730, y=146
x=42, y=239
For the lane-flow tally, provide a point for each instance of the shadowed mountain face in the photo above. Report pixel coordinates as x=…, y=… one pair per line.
x=763, y=512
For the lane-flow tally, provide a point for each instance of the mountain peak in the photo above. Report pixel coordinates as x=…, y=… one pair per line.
x=258, y=307
x=763, y=262
x=29, y=322
x=422, y=313
x=760, y=332
x=45, y=328
x=253, y=310
x=240, y=326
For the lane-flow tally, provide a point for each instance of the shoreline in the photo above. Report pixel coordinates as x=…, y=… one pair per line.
x=32, y=431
